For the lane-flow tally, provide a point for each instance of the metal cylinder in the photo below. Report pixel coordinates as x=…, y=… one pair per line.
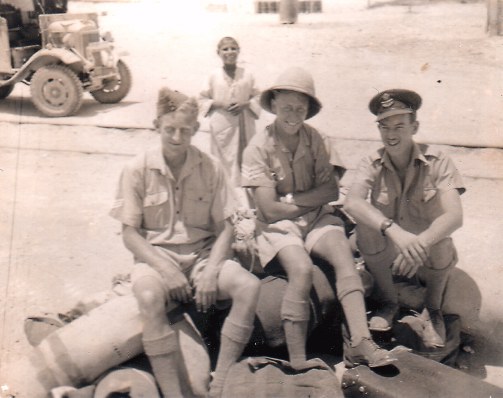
x=288, y=10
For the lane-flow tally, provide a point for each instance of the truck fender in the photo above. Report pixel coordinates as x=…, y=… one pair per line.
x=46, y=57
x=64, y=56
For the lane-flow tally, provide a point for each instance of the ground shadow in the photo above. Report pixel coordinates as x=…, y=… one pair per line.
x=22, y=107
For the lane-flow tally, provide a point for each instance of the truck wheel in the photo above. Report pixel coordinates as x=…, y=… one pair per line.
x=114, y=90
x=6, y=90
x=56, y=91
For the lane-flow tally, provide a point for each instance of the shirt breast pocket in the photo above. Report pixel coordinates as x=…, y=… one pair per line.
x=155, y=211
x=429, y=194
x=383, y=198
x=197, y=208
x=424, y=205
x=384, y=201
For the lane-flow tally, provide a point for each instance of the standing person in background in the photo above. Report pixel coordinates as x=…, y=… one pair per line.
x=175, y=205
x=230, y=100
x=294, y=175
x=405, y=227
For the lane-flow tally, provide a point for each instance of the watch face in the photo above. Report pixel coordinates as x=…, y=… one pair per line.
x=385, y=225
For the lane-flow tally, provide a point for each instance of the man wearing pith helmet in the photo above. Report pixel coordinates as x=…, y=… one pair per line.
x=175, y=205
x=414, y=206
x=294, y=173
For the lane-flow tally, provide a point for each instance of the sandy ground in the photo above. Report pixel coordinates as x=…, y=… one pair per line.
x=438, y=48
x=58, y=243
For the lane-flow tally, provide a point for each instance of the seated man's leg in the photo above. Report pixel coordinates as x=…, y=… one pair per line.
x=236, y=283
x=334, y=247
x=379, y=255
x=435, y=274
x=295, y=310
x=159, y=339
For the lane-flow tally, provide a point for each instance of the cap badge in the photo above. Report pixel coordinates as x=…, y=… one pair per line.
x=386, y=100
x=171, y=106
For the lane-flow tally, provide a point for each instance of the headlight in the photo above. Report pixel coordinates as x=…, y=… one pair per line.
x=68, y=40
x=107, y=58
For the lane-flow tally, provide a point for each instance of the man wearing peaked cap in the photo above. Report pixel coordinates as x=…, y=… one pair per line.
x=294, y=173
x=394, y=102
x=414, y=207
x=175, y=206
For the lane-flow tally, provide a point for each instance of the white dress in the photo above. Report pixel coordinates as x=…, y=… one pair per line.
x=230, y=134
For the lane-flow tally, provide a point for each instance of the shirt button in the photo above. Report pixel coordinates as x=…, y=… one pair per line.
x=177, y=188
x=178, y=212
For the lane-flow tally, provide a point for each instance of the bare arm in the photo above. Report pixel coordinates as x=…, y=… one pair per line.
x=178, y=286
x=272, y=209
x=413, y=248
x=221, y=249
x=449, y=221
x=363, y=212
x=206, y=289
x=360, y=209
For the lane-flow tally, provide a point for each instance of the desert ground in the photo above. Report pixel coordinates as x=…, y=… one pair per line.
x=58, y=176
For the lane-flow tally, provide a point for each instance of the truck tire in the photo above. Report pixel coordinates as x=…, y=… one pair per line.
x=5, y=91
x=115, y=90
x=56, y=91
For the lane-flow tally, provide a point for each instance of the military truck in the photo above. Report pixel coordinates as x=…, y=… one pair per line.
x=59, y=55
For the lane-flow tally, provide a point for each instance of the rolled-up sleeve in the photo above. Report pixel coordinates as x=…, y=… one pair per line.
x=128, y=204
x=365, y=173
x=326, y=155
x=448, y=176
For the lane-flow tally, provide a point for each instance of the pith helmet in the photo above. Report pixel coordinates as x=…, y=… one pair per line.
x=394, y=102
x=293, y=79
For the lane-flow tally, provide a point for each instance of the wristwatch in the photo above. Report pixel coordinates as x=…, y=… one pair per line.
x=385, y=225
x=289, y=198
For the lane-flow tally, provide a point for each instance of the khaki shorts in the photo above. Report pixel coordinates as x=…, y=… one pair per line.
x=380, y=250
x=191, y=265
x=304, y=232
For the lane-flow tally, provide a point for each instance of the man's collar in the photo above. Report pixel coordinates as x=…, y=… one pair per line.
x=303, y=139
x=420, y=152
x=156, y=160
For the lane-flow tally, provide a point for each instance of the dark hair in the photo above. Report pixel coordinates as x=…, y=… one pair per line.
x=226, y=38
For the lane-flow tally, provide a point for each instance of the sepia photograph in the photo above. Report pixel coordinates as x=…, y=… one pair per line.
x=251, y=198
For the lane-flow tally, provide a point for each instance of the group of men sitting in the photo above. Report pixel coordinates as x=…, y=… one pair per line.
x=176, y=207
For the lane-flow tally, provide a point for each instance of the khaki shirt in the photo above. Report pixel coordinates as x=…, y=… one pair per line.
x=169, y=212
x=268, y=163
x=415, y=205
